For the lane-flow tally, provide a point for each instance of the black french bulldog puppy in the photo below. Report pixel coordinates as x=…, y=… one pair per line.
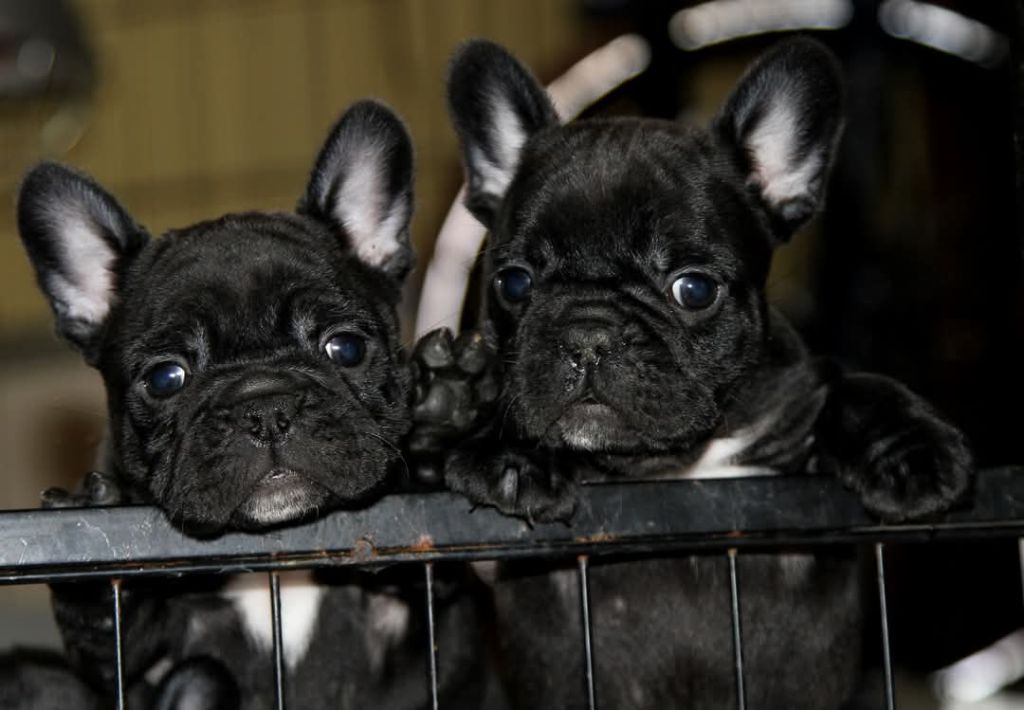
x=627, y=265
x=254, y=378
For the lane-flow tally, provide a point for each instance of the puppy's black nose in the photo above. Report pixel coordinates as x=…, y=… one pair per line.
x=583, y=344
x=268, y=419
x=265, y=406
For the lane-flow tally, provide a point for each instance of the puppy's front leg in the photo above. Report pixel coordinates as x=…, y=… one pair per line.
x=456, y=432
x=84, y=610
x=891, y=447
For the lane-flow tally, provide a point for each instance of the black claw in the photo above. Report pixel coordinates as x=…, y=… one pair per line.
x=472, y=353
x=508, y=486
x=486, y=389
x=435, y=349
x=100, y=489
x=96, y=488
x=55, y=498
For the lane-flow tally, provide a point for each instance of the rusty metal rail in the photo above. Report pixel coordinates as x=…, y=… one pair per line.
x=636, y=517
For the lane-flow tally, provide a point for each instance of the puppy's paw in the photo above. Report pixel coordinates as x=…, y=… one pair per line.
x=515, y=483
x=197, y=684
x=97, y=489
x=456, y=386
x=892, y=448
x=923, y=470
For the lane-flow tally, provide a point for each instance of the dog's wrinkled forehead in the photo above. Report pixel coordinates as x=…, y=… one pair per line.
x=596, y=199
x=276, y=274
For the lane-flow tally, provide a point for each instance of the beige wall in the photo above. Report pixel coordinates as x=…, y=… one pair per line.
x=209, y=106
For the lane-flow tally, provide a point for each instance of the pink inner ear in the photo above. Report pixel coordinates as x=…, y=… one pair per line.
x=84, y=284
x=507, y=137
x=374, y=226
x=777, y=171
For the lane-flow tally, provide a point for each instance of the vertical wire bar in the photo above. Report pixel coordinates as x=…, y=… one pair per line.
x=275, y=616
x=115, y=585
x=1020, y=549
x=890, y=690
x=737, y=631
x=428, y=568
x=588, y=649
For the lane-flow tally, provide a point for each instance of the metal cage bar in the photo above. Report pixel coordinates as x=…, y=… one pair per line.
x=662, y=517
x=1020, y=549
x=428, y=570
x=275, y=614
x=583, y=564
x=115, y=588
x=883, y=612
x=737, y=631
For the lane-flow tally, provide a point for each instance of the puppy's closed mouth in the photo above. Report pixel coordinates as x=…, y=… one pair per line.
x=590, y=408
x=586, y=423
x=283, y=495
x=281, y=476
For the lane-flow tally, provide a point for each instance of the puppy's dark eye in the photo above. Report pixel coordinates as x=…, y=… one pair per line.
x=346, y=349
x=695, y=291
x=165, y=379
x=514, y=284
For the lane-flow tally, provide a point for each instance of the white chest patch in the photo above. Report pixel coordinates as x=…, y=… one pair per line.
x=387, y=623
x=300, y=604
x=717, y=461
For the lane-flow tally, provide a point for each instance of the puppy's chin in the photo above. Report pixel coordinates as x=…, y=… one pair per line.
x=590, y=426
x=282, y=496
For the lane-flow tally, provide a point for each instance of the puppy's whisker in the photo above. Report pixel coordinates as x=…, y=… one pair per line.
x=389, y=445
x=504, y=416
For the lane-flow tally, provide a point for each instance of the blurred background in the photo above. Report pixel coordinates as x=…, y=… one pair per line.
x=190, y=109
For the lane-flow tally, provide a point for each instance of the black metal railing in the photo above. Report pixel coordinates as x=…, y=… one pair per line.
x=726, y=515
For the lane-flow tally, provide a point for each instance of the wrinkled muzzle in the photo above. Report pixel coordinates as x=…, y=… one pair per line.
x=275, y=447
x=604, y=377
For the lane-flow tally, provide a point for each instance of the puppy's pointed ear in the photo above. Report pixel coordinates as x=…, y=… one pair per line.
x=79, y=239
x=361, y=186
x=496, y=105
x=783, y=122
